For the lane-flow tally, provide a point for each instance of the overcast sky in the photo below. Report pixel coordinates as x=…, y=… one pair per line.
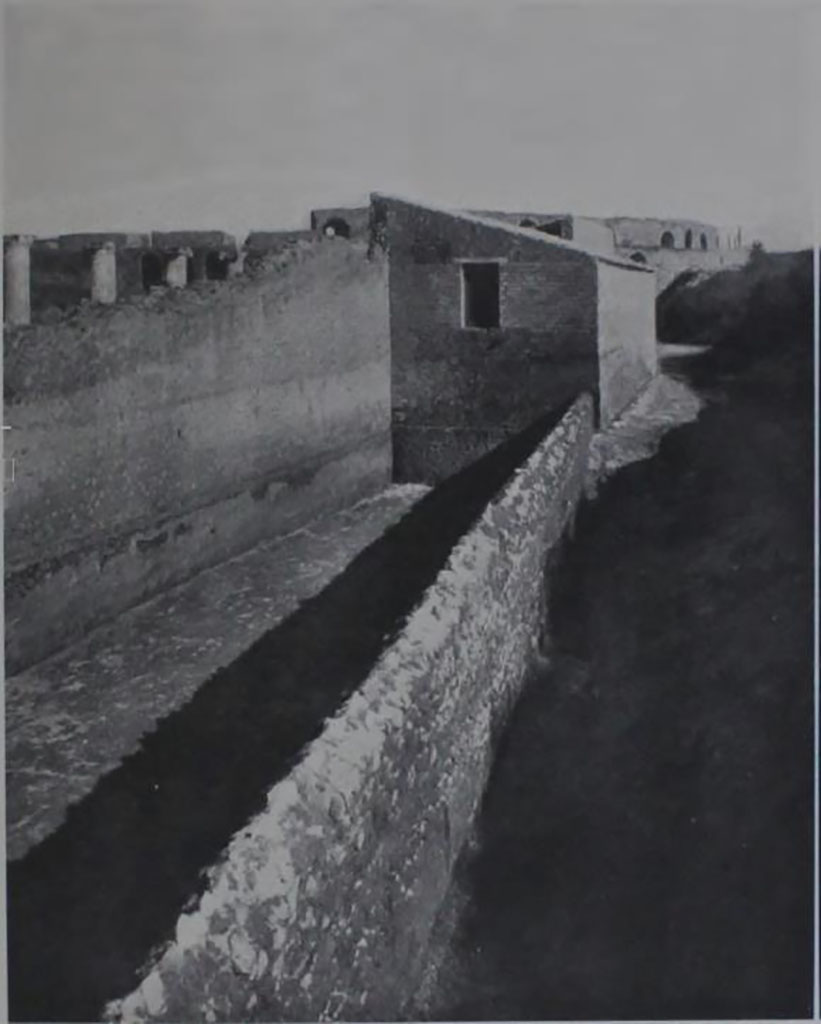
x=238, y=114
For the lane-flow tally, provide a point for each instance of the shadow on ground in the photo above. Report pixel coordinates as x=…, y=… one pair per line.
x=645, y=845
x=88, y=904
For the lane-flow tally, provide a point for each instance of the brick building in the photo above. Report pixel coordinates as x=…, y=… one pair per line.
x=492, y=325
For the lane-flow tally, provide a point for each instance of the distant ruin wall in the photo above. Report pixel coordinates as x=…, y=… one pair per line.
x=349, y=221
x=669, y=263
x=627, y=337
x=323, y=905
x=157, y=437
x=647, y=233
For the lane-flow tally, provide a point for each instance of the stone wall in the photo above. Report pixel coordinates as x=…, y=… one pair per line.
x=322, y=907
x=669, y=263
x=156, y=437
x=259, y=244
x=646, y=232
x=68, y=271
x=627, y=336
x=457, y=391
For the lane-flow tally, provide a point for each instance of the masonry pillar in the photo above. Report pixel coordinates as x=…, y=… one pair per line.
x=104, y=274
x=17, y=279
x=176, y=272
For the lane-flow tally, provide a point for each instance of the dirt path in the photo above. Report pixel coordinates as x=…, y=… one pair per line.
x=76, y=715
x=644, y=850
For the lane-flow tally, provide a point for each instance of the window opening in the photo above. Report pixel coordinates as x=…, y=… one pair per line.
x=480, y=293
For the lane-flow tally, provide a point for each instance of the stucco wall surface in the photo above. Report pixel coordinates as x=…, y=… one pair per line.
x=156, y=437
x=594, y=235
x=627, y=337
x=456, y=390
x=322, y=906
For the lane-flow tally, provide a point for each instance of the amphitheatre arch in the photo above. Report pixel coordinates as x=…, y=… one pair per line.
x=337, y=226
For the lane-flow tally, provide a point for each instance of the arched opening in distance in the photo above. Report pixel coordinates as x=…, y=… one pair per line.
x=688, y=239
x=638, y=257
x=152, y=270
x=527, y=223
x=703, y=240
x=667, y=240
x=337, y=226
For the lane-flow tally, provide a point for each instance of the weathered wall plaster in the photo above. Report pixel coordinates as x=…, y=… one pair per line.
x=322, y=906
x=627, y=336
x=156, y=437
x=594, y=235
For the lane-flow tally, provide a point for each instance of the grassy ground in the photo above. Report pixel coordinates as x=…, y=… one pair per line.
x=644, y=849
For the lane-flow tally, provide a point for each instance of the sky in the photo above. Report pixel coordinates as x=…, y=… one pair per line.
x=245, y=114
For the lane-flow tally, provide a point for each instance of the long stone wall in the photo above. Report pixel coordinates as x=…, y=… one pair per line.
x=155, y=437
x=322, y=906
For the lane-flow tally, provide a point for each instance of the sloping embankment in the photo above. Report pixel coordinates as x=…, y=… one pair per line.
x=322, y=905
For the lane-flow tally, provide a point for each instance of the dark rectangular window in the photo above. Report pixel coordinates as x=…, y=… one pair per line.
x=480, y=286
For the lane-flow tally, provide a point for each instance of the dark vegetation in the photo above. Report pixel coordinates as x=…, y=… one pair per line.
x=761, y=310
x=88, y=904
x=645, y=845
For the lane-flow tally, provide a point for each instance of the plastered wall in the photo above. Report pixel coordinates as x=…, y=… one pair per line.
x=594, y=235
x=627, y=336
x=155, y=437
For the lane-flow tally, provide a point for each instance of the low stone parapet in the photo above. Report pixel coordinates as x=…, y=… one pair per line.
x=322, y=906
